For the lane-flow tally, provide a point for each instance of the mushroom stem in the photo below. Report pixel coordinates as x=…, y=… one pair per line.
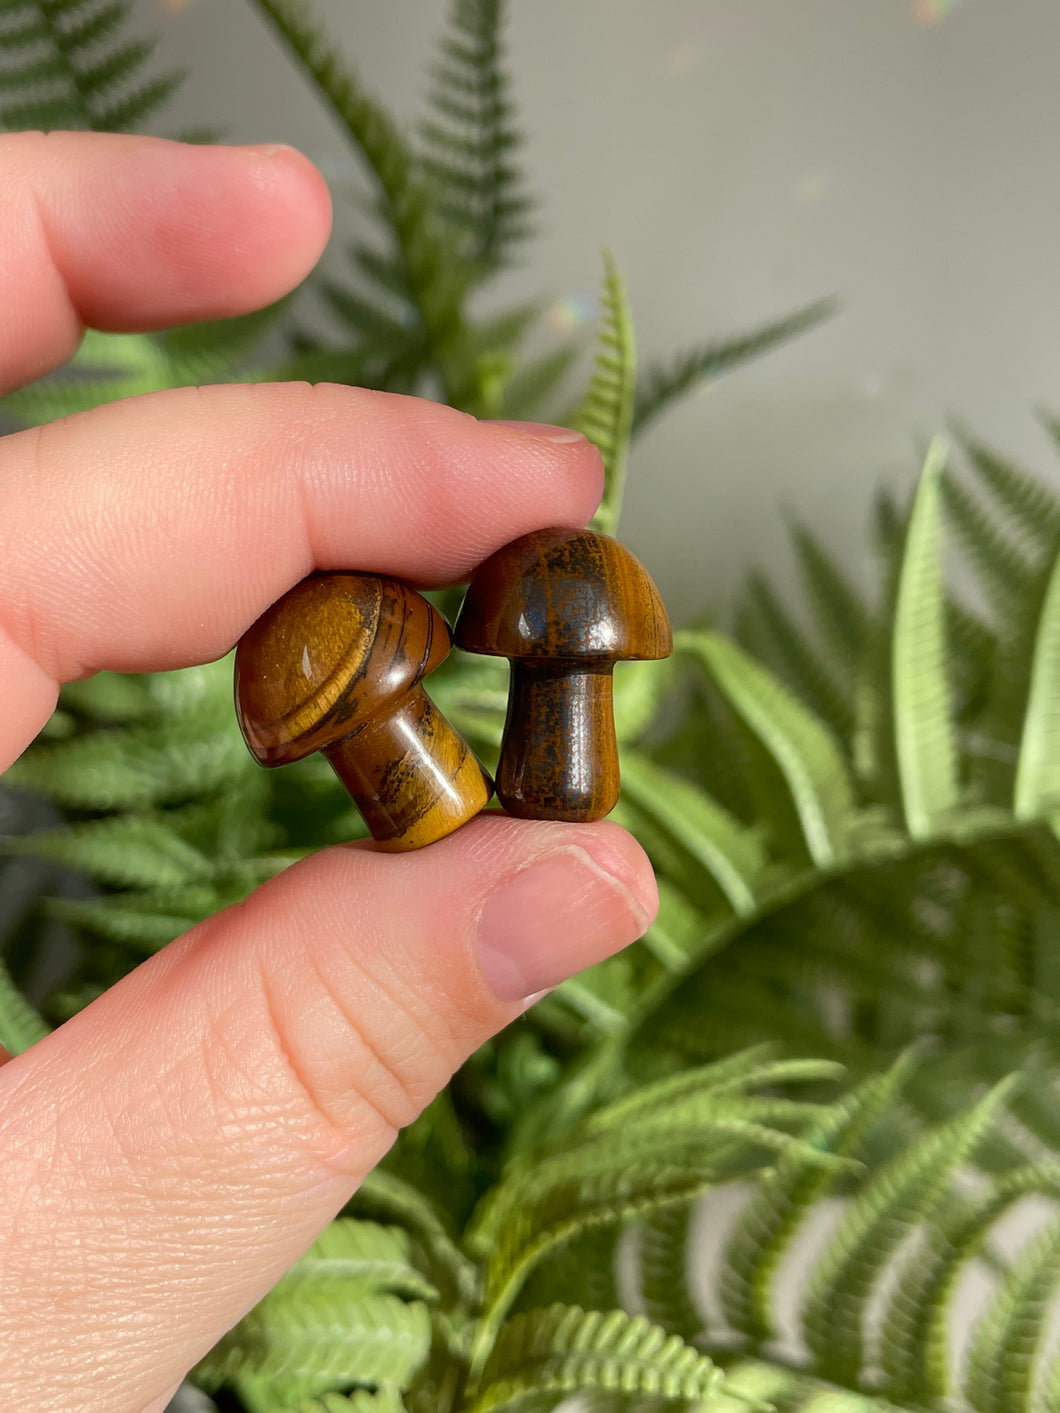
x=413, y=778
x=559, y=759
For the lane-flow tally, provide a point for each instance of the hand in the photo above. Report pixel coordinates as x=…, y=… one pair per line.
x=170, y=1151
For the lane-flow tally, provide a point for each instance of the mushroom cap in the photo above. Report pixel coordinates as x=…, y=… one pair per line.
x=564, y=594
x=331, y=654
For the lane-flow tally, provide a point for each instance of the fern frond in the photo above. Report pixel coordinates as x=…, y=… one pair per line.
x=925, y=738
x=386, y=1195
x=1037, y=785
x=110, y=367
x=383, y=333
x=640, y=689
x=56, y=74
x=20, y=1025
x=320, y=1335
x=471, y=140
x=191, y=748
x=894, y=1200
x=379, y=1258
x=786, y=1391
x=677, y=928
x=427, y=275
x=660, y=386
x=1026, y=500
x=581, y=1272
x=974, y=653
x=662, y=1145
x=782, y=1199
x=841, y=615
x=766, y=629
x=803, y=748
x=145, y=921
x=110, y=697
x=731, y=855
x=570, y=1208
x=917, y=1345
x=734, y=1076
x=563, y=1350
x=1000, y=563
x=128, y=851
x=605, y=413
x=1008, y=1340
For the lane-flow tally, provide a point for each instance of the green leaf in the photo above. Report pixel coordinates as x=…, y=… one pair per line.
x=805, y=751
x=605, y=414
x=661, y=386
x=539, y=1224
x=893, y=1201
x=1037, y=790
x=925, y=738
x=678, y=929
x=135, y=768
x=1009, y=1338
x=1001, y=564
x=732, y=855
x=840, y=613
x=20, y=1025
x=783, y=1200
x=435, y=283
x=69, y=78
x=917, y=1344
x=663, y=1268
x=1030, y=504
x=366, y=1253
x=148, y=920
x=134, y=851
x=766, y=629
x=735, y=1075
x=322, y=1334
x=109, y=697
x=564, y=1349
x=639, y=691
x=470, y=141
x=385, y=1194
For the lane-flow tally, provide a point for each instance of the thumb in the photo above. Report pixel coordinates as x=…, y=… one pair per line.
x=172, y=1149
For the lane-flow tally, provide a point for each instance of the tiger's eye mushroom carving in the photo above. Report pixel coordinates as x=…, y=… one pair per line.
x=335, y=666
x=565, y=606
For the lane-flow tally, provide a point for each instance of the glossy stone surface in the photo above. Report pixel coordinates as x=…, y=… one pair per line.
x=565, y=606
x=335, y=665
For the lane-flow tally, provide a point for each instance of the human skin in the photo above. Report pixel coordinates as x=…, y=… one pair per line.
x=171, y=1150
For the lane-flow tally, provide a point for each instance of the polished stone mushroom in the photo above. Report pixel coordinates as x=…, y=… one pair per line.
x=564, y=606
x=336, y=666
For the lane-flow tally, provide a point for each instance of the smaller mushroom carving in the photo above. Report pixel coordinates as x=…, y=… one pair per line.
x=335, y=666
x=565, y=606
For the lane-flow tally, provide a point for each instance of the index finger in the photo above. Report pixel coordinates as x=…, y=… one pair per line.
x=149, y=534
x=127, y=232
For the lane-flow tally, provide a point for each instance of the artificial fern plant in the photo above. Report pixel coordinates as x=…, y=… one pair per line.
x=755, y=1161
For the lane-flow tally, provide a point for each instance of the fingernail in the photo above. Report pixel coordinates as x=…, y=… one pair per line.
x=267, y=149
x=554, y=918
x=544, y=430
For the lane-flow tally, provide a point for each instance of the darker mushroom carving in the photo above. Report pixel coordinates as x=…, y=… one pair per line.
x=565, y=606
x=336, y=666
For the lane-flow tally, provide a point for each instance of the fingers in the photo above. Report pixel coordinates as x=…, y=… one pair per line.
x=150, y=533
x=139, y=233
x=175, y=1146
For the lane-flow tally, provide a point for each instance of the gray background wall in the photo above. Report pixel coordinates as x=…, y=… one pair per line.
x=741, y=157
